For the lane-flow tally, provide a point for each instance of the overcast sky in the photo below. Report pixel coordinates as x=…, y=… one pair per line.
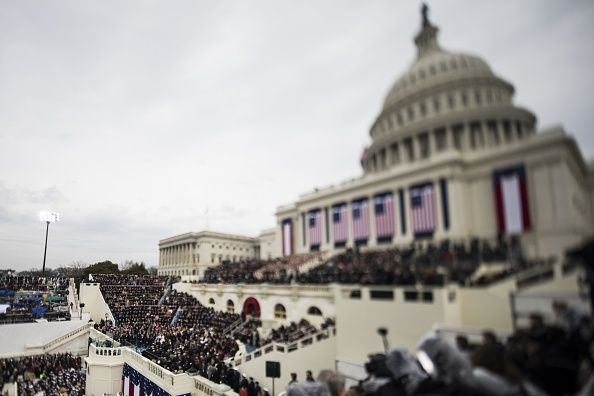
x=140, y=120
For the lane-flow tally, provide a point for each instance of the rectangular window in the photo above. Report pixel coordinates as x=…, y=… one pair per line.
x=424, y=145
x=423, y=108
x=493, y=135
x=395, y=153
x=382, y=158
x=428, y=296
x=458, y=133
x=451, y=102
x=381, y=295
x=411, y=295
x=507, y=131
x=440, y=139
x=476, y=135
x=355, y=294
x=436, y=105
x=408, y=148
x=519, y=130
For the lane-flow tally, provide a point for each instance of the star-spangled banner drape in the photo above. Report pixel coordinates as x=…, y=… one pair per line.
x=136, y=384
x=422, y=209
x=360, y=213
x=340, y=223
x=384, y=216
x=315, y=227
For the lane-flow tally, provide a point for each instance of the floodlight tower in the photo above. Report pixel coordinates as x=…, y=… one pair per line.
x=48, y=217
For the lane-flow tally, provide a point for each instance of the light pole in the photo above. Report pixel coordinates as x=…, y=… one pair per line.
x=48, y=217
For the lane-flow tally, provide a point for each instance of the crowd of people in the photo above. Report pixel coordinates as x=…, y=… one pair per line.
x=290, y=333
x=431, y=265
x=51, y=375
x=228, y=272
x=543, y=359
x=285, y=268
x=26, y=298
x=33, y=283
x=171, y=328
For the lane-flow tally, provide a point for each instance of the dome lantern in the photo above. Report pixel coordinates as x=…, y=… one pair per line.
x=426, y=39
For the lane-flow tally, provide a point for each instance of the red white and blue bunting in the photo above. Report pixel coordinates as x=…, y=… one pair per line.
x=136, y=384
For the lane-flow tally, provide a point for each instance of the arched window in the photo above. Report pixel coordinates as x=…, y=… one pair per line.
x=230, y=306
x=280, y=312
x=314, y=311
x=211, y=301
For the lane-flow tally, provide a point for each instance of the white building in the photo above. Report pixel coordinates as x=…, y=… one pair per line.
x=191, y=253
x=451, y=157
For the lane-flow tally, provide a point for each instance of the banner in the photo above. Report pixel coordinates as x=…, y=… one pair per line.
x=511, y=200
x=422, y=209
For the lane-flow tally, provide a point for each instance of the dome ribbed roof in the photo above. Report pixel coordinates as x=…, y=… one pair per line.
x=434, y=66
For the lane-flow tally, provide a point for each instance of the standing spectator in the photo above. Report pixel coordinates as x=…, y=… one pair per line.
x=309, y=376
x=251, y=388
x=293, y=379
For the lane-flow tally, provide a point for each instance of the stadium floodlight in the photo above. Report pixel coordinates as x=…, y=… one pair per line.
x=48, y=217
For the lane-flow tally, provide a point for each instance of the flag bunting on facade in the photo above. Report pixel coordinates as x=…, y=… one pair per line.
x=339, y=223
x=384, y=216
x=511, y=200
x=136, y=384
x=422, y=209
x=314, y=219
x=360, y=212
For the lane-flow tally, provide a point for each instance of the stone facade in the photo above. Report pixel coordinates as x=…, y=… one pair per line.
x=450, y=122
x=193, y=252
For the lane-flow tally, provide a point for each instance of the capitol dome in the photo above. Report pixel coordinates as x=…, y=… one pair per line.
x=445, y=101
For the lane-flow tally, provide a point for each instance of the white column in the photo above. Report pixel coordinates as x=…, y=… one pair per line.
x=372, y=231
x=438, y=209
x=350, y=239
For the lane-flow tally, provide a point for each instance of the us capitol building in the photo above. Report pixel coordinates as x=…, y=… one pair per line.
x=451, y=158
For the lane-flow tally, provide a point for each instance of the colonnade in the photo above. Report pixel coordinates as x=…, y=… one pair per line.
x=182, y=253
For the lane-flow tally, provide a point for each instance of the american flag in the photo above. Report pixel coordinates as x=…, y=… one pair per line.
x=287, y=232
x=361, y=220
x=422, y=208
x=340, y=223
x=384, y=215
x=315, y=227
x=136, y=384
